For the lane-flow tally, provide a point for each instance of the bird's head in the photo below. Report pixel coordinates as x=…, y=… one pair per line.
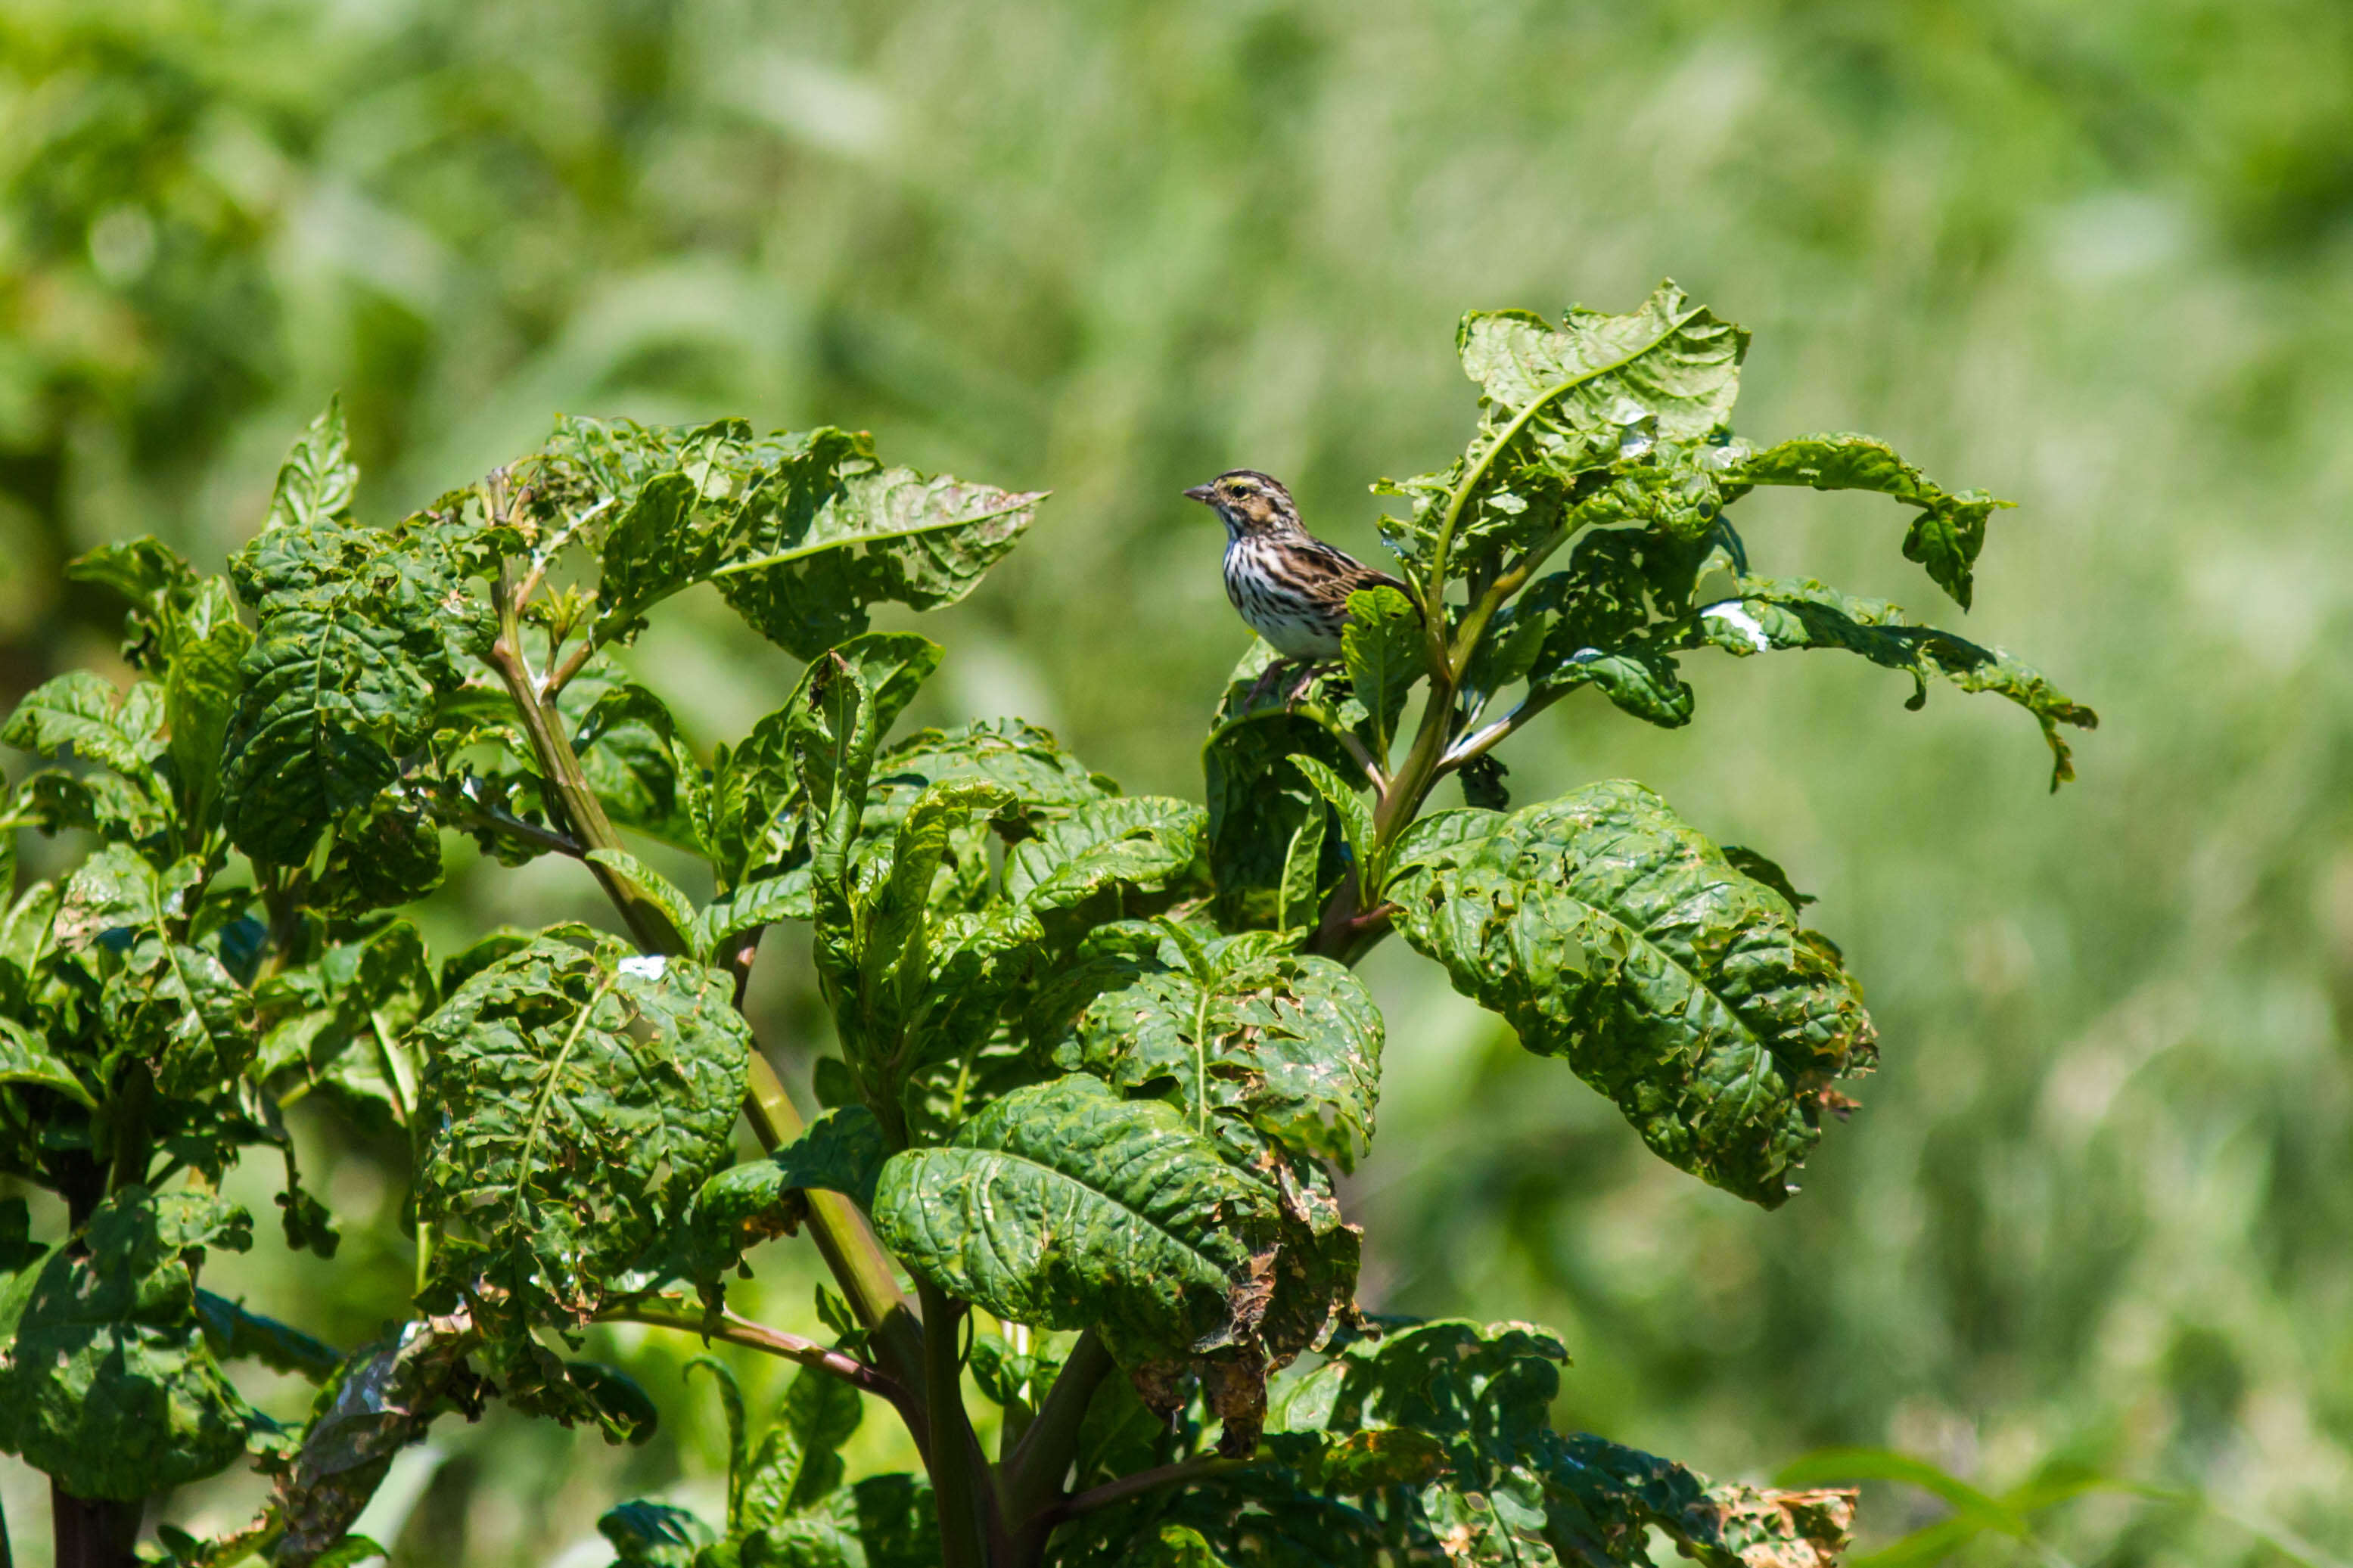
x=1249, y=501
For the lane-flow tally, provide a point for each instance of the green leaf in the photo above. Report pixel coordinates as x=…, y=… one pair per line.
x=575, y=1101
x=1771, y=614
x=236, y=1334
x=802, y=532
x=387, y=853
x=653, y=1534
x=1141, y=842
x=884, y=1521
x=1257, y=800
x=1605, y=930
x=1945, y=538
x=340, y=683
x=651, y=885
x=23, y=1058
x=1026, y=760
x=1171, y=1546
x=1300, y=900
x=108, y=1384
x=340, y=1024
x=755, y=795
x=204, y=647
x=81, y=711
x=318, y=480
x=1287, y=1045
x=841, y=1150
x=756, y=904
x=1355, y=822
x=349, y=1552
x=886, y=534
x=1483, y=1393
x=1065, y=1206
x=642, y=773
x=186, y=629
x=891, y=945
x=799, y=1463
x=623, y=1409
x=1757, y=869
x=1677, y=363
x=1638, y=680
x=739, y=1447
x=1384, y=652
x=1604, y=1493
x=1598, y=420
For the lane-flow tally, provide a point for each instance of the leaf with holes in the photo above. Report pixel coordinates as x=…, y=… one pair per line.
x=577, y=1098
x=1605, y=930
x=1066, y=1207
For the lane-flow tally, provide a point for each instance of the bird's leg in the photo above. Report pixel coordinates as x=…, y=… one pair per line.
x=1265, y=683
x=1307, y=673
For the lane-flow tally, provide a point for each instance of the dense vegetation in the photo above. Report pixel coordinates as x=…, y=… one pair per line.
x=2092, y=259
x=1100, y=1057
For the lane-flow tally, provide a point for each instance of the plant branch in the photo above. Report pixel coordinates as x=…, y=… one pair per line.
x=970, y=1524
x=479, y=814
x=1032, y=1475
x=849, y=1248
x=1184, y=1471
x=741, y=1331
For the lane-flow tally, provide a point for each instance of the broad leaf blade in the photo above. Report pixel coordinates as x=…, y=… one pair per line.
x=1672, y=359
x=887, y=534
x=1142, y=842
x=1607, y=931
x=577, y=1098
x=1065, y=1206
x=318, y=480
x=799, y=1463
x=109, y=1385
x=1287, y=1045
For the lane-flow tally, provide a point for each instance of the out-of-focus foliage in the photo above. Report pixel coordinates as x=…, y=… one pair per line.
x=2094, y=257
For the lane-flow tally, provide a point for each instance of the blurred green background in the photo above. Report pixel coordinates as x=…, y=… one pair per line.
x=2098, y=257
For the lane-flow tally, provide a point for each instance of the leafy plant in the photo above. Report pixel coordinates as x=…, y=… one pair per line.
x=1099, y=1057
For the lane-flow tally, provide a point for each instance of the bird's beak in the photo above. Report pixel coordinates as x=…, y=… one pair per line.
x=1201, y=493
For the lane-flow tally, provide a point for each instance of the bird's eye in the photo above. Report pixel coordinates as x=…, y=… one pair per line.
x=1238, y=488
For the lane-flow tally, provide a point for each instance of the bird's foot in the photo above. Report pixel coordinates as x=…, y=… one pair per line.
x=1266, y=681
x=1307, y=674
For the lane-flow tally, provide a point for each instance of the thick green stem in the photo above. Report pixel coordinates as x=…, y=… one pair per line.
x=969, y=1528
x=849, y=1248
x=1032, y=1475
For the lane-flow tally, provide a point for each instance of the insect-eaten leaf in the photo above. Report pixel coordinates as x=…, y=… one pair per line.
x=803, y=532
x=1605, y=930
x=1285, y=1046
x=1065, y=1205
x=107, y=1382
x=577, y=1095
x=1767, y=615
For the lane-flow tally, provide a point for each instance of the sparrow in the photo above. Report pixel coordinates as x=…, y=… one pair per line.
x=1291, y=587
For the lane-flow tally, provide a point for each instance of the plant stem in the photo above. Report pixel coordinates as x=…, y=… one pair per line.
x=849, y=1248
x=968, y=1519
x=741, y=1331
x=1119, y=1490
x=1032, y=1475
x=93, y=1533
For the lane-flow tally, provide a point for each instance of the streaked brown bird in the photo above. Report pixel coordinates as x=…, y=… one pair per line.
x=1291, y=586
